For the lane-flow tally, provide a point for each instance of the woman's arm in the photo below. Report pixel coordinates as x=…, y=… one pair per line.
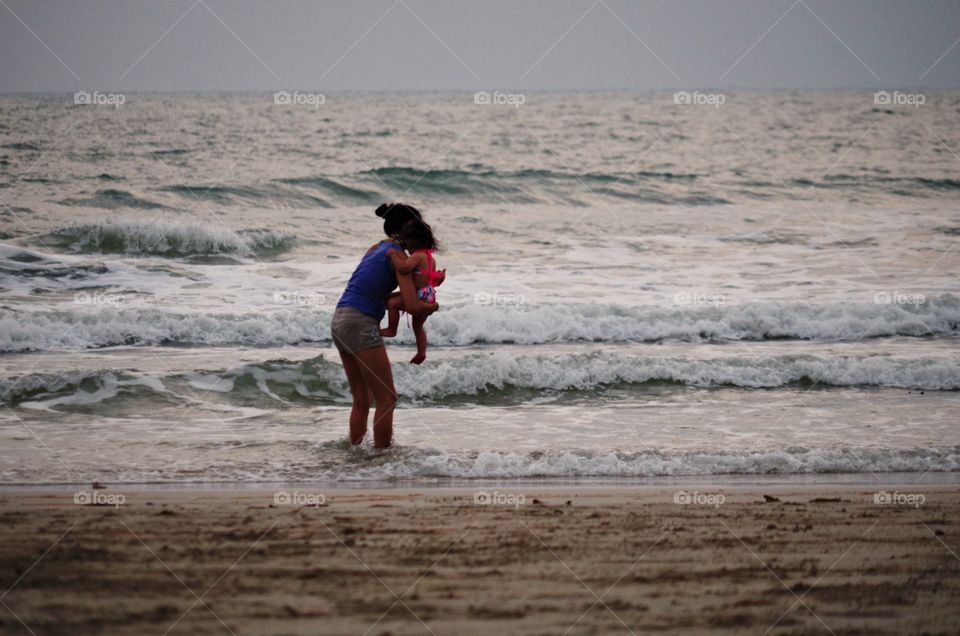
x=411, y=303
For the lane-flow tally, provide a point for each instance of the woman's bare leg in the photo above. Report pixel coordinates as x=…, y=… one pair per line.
x=361, y=397
x=421, y=335
x=378, y=376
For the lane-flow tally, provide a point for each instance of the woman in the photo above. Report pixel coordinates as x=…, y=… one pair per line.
x=356, y=328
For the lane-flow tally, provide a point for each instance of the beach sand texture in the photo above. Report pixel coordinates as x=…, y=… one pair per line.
x=819, y=560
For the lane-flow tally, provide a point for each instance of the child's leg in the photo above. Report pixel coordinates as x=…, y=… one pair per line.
x=421, y=335
x=394, y=305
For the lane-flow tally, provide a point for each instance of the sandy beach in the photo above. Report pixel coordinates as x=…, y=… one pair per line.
x=532, y=560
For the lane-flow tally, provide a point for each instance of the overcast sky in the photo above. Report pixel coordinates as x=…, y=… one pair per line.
x=187, y=45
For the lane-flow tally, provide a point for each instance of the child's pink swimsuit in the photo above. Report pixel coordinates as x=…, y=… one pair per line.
x=428, y=294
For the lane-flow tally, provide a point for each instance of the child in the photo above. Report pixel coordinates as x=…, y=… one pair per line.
x=417, y=237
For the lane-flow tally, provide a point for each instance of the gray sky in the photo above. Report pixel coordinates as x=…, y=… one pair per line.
x=176, y=45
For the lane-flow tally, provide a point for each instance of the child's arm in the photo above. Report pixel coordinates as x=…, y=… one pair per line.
x=405, y=264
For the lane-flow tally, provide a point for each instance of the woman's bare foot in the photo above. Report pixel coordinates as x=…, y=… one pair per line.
x=420, y=357
x=387, y=332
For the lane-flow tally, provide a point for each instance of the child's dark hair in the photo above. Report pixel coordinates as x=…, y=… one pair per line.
x=417, y=234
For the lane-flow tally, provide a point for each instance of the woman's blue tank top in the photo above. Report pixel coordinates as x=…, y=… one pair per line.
x=371, y=282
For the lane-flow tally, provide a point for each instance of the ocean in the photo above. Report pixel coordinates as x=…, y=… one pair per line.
x=635, y=289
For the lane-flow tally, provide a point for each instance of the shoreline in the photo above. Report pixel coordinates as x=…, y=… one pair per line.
x=826, y=480
x=798, y=558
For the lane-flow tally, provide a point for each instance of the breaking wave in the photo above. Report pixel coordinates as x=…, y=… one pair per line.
x=165, y=238
x=501, y=378
x=472, y=324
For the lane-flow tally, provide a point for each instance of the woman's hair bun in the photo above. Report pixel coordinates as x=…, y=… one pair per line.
x=394, y=215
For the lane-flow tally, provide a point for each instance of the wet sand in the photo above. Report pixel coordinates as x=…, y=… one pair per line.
x=817, y=560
